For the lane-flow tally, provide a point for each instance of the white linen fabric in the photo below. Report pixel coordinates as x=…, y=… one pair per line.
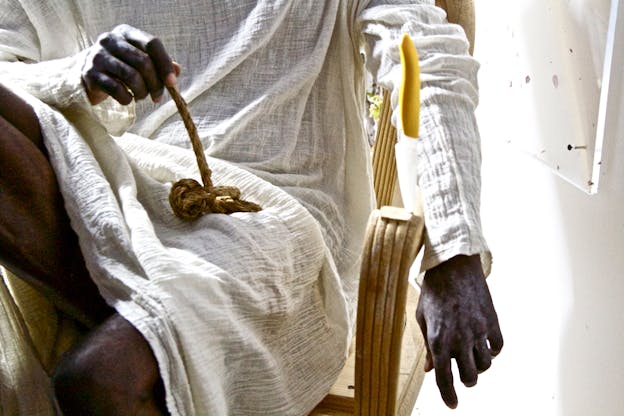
x=250, y=313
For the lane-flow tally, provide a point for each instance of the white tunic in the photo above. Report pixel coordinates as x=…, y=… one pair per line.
x=249, y=313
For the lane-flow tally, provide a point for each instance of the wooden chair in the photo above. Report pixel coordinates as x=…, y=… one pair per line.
x=384, y=374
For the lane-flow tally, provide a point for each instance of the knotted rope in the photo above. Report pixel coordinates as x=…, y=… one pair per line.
x=188, y=199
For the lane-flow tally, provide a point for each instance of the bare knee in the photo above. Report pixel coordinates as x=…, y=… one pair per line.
x=113, y=372
x=75, y=388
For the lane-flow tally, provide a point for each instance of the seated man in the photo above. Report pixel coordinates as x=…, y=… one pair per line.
x=250, y=313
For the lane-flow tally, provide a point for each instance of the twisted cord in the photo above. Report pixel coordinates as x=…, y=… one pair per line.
x=188, y=199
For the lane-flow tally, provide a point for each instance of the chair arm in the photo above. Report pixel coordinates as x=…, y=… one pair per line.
x=393, y=239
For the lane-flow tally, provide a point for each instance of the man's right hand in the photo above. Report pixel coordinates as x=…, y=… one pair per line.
x=127, y=64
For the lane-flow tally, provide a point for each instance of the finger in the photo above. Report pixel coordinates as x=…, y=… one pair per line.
x=164, y=64
x=133, y=56
x=444, y=380
x=467, y=367
x=96, y=96
x=428, y=361
x=177, y=68
x=110, y=86
x=495, y=339
x=124, y=73
x=154, y=48
x=482, y=356
x=441, y=357
x=422, y=323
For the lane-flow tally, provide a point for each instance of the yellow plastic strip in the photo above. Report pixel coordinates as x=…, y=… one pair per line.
x=409, y=93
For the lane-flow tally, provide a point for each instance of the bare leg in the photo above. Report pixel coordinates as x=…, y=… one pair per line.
x=36, y=240
x=113, y=371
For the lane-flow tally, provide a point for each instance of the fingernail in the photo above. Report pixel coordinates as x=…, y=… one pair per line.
x=171, y=79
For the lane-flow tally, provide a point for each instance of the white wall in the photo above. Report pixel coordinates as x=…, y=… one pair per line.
x=557, y=281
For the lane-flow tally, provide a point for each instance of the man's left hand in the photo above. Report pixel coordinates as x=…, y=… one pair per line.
x=458, y=320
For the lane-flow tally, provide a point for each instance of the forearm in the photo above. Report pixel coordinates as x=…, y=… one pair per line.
x=56, y=82
x=448, y=152
x=449, y=177
x=42, y=52
x=36, y=54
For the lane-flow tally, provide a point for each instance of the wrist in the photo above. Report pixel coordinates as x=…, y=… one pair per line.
x=457, y=267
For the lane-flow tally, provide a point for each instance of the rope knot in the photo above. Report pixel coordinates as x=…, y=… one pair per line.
x=188, y=199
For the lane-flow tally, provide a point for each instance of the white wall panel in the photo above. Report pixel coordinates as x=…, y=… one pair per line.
x=548, y=63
